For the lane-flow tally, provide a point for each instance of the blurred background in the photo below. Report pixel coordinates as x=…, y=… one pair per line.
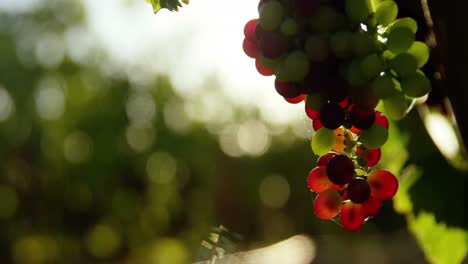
x=126, y=137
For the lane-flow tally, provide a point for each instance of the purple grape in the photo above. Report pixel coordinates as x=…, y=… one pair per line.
x=340, y=169
x=335, y=90
x=273, y=44
x=358, y=190
x=305, y=8
x=332, y=115
x=362, y=118
x=287, y=89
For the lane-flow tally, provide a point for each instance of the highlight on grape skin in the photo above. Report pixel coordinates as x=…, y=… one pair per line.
x=342, y=59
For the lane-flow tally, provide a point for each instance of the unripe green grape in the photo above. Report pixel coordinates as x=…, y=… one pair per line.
x=386, y=12
x=372, y=66
x=326, y=20
x=322, y=141
x=388, y=55
x=397, y=106
x=357, y=10
x=355, y=75
x=281, y=72
x=416, y=85
x=270, y=63
x=400, y=40
x=405, y=22
x=316, y=47
x=420, y=51
x=340, y=44
x=374, y=137
x=363, y=44
x=289, y=27
x=271, y=15
x=297, y=65
x=384, y=86
x=404, y=64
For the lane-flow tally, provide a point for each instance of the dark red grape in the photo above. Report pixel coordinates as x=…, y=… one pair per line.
x=295, y=100
x=372, y=156
x=262, y=69
x=335, y=90
x=317, y=124
x=272, y=44
x=372, y=206
x=249, y=29
x=250, y=48
x=340, y=169
x=322, y=73
x=323, y=160
x=364, y=100
x=358, y=190
x=381, y=119
x=362, y=118
x=311, y=113
x=305, y=8
x=286, y=89
x=352, y=216
x=332, y=115
x=344, y=103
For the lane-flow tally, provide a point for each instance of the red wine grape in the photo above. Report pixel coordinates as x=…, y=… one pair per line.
x=340, y=169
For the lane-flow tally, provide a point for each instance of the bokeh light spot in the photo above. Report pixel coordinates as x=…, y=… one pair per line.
x=103, y=241
x=161, y=167
x=274, y=191
x=78, y=147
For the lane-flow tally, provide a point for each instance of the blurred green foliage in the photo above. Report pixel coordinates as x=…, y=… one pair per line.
x=98, y=168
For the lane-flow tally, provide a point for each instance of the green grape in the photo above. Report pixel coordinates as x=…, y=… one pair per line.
x=322, y=141
x=326, y=20
x=404, y=64
x=354, y=74
x=386, y=12
x=384, y=86
x=400, y=40
x=281, y=72
x=388, y=55
x=297, y=65
x=315, y=101
x=374, y=137
x=420, y=51
x=289, y=27
x=340, y=44
x=271, y=15
x=416, y=85
x=397, y=106
x=357, y=10
x=317, y=48
x=406, y=22
x=363, y=44
x=270, y=63
x=372, y=66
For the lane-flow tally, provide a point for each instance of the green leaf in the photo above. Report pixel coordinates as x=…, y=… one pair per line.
x=171, y=5
x=441, y=243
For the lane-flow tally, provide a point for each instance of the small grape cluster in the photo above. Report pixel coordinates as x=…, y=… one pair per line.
x=341, y=191
x=342, y=58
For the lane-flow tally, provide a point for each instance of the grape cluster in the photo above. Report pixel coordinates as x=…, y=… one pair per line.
x=342, y=58
x=353, y=196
